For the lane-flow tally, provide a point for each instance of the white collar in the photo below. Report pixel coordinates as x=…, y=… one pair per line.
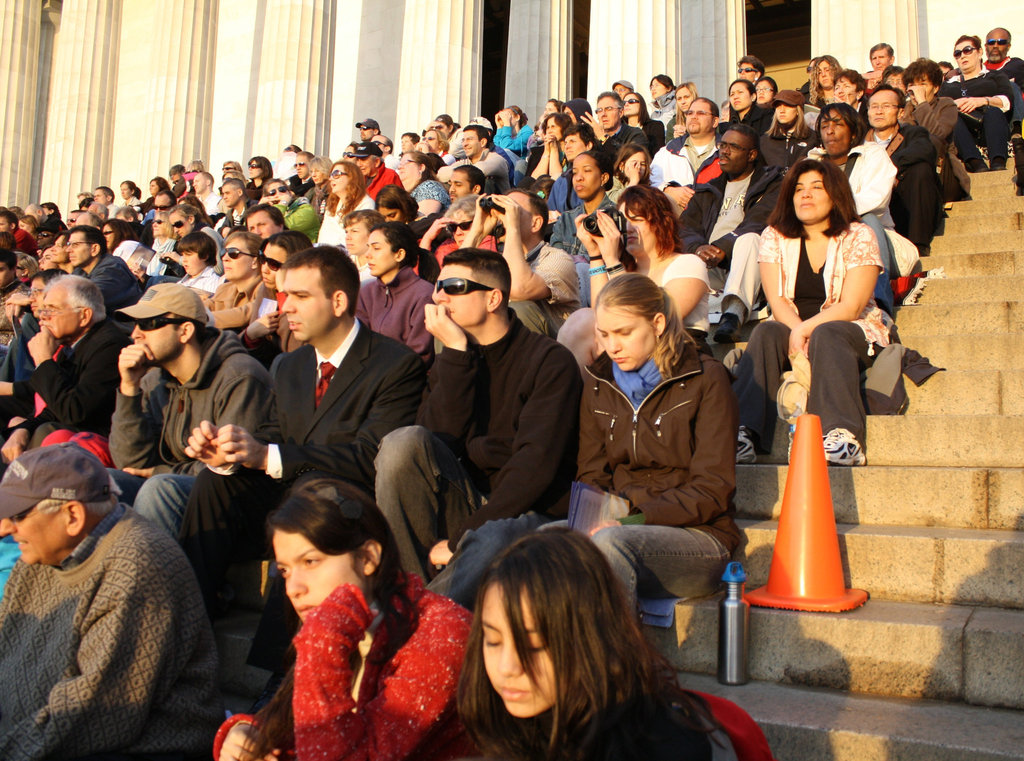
x=342, y=351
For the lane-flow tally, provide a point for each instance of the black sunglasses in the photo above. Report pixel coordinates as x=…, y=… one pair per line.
x=155, y=323
x=162, y=208
x=965, y=50
x=177, y=225
x=630, y=102
x=234, y=253
x=457, y=286
x=19, y=517
x=1000, y=41
x=464, y=226
x=254, y=166
x=272, y=264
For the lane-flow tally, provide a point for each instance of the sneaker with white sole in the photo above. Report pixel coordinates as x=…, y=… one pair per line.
x=842, y=448
x=745, y=453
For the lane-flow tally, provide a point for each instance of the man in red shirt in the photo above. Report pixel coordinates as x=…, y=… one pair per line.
x=370, y=160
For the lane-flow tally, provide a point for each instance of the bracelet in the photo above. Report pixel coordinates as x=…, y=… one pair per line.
x=597, y=258
x=598, y=270
x=615, y=270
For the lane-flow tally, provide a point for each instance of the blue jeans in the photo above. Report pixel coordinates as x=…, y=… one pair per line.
x=890, y=271
x=161, y=498
x=663, y=561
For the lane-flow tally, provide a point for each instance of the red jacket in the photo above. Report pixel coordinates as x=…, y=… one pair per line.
x=384, y=177
x=406, y=706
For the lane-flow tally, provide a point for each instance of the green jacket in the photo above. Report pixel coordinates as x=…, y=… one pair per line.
x=300, y=215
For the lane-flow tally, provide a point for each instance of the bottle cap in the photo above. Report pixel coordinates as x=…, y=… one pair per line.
x=734, y=573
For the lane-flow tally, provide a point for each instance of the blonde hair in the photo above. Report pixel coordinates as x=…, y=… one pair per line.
x=641, y=296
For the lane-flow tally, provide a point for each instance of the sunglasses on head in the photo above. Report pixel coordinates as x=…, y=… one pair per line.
x=272, y=264
x=965, y=50
x=457, y=286
x=234, y=253
x=155, y=323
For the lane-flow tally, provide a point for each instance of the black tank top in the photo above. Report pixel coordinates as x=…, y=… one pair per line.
x=809, y=288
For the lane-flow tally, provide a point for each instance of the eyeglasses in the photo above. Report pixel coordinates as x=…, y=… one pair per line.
x=697, y=113
x=146, y=324
x=338, y=173
x=275, y=191
x=73, y=243
x=458, y=286
x=730, y=147
x=965, y=50
x=234, y=253
x=882, y=107
x=630, y=102
x=767, y=88
x=605, y=109
x=272, y=264
x=745, y=70
x=178, y=225
x=108, y=232
x=19, y=517
x=464, y=226
x=46, y=311
x=1001, y=41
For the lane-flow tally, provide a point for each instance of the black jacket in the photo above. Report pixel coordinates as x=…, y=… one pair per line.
x=702, y=212
x=786, y=151
x=759, y=119
x=120, y=288
x=79, y=390
x=626, y=135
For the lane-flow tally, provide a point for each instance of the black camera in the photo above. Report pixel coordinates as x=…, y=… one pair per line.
x=487, y=204
x=591, y=226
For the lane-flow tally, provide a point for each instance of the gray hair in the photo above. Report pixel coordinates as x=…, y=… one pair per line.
x=464, y=205
x=82, y=292
x=321, y=163
x=89, y=219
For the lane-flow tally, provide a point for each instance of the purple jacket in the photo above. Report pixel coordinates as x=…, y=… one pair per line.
x=396, y=311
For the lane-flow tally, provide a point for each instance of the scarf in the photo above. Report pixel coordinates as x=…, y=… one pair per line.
x=637, y=384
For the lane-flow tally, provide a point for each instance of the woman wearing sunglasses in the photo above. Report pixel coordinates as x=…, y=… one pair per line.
x=984, y=99
x=347, y=194
x=260, y=171
x=449, y=232
x=635, y=114
x=267, y=334
x=231, y=305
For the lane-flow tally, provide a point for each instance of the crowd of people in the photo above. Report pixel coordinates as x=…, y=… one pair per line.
x=397, y=373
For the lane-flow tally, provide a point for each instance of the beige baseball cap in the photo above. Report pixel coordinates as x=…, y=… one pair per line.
x=168, y=298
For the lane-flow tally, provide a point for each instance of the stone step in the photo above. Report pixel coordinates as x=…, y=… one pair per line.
x=979, y=392
x=250, y=583
x=999, y=180
x=233, y=634
x=978, y=243
x=970, y=265
x=1009, y=221
x=927, y=564
x=806, y=723
x=961, y=289
x=987, y=206
x=998, y=351
x=908, y=650
x=995, y=316
x=1001, y=189
x=878, y=495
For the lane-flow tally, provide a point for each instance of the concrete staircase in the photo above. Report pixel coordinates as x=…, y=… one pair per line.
x=932, y=667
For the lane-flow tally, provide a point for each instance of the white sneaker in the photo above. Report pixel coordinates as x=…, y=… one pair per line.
x=842, y=448
x=745, y=453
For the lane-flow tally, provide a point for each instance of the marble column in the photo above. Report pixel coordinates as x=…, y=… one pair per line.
x=293, y=101
x=20, y=25
x=177, y=106
x=440, y=68
x=699, y=40
x=80, y=122
x=47, y=41
x=538, y=64
x=850, y=36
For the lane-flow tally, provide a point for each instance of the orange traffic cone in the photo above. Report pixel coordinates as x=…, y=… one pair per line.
x=806, y=571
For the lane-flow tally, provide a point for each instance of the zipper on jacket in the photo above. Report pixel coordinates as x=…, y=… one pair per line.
x=611, y=425
x=657, y=420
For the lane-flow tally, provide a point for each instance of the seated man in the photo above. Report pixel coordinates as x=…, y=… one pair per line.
x=466, y=180
x=882, y=56
x=496, y=434
x=105, y=651
x=723, y=222
x=916, y=203
x=576, y=139
x=609, y=127
x=178, y=373
x=298, y=213
x=87, y=249
x=264, y=220
x=75, y=355
x=477, y=144
x=334, y=400
x=690, y=160
x=545, y=286
x=230, y=304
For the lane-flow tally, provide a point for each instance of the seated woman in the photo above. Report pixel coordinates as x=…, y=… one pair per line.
x=198, y=255
x=789, y=138
x=451, y=230
x=546, y=159
x=821, y=88
x=512, y=131
x=557, y=667
x=436, y=143
x=635, y=114
x=418, y=178
x=985, y=100
x=818, y=266
x=765, y=90
x=267, y=335
x=632, y=167
x=744, y=110
x=650, y=247
x=850, y=87
x=320, y=172
x=347, y=194
x=686, y=94
x=663, y=97
x=260, y=171
x=377, y=657
x=392, y=304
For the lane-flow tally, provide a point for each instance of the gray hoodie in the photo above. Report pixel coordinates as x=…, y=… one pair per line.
x=150, y=430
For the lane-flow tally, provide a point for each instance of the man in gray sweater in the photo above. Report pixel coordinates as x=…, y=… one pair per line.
x=179, y=371
x=106, y=651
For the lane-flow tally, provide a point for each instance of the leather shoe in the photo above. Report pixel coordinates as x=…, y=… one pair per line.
x=997, y=164
x=728, y=329
x=975, y=166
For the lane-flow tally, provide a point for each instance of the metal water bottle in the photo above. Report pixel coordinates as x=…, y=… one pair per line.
x=733, y=627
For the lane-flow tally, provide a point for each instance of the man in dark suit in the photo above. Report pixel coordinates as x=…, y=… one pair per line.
x=334, y=400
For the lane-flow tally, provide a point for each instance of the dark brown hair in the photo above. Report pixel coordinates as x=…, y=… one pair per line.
x=844, y=210
x=922, y=68
x=337, y=271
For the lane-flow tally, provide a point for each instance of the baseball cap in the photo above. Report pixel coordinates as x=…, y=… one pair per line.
x=788, y=97
x=367, y=124
x=62, y=471
x=624, y=83
x=482, y=121
x=168, y=298
x=366, y=148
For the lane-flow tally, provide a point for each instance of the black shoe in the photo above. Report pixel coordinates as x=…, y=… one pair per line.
x=975, y=166
x=997, y=164
x=728, y=329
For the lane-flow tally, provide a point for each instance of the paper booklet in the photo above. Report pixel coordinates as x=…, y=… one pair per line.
x=589, y=507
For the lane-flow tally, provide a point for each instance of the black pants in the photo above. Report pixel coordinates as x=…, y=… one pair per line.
x=917, y=203
x=838, y=353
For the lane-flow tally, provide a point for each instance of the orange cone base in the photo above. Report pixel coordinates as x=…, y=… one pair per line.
x=850, y=599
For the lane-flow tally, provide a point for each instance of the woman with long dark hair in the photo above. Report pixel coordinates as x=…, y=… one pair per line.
x=743, y=109
x=819, y=265
x=635, y=114
x=377, y=657
x=557, y=668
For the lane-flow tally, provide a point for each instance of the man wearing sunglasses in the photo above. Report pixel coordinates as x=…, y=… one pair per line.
x=495, y=438
x=997, y=56
x=298, y=212
x=100, y=611
x=301, y=182
x=178, y=372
